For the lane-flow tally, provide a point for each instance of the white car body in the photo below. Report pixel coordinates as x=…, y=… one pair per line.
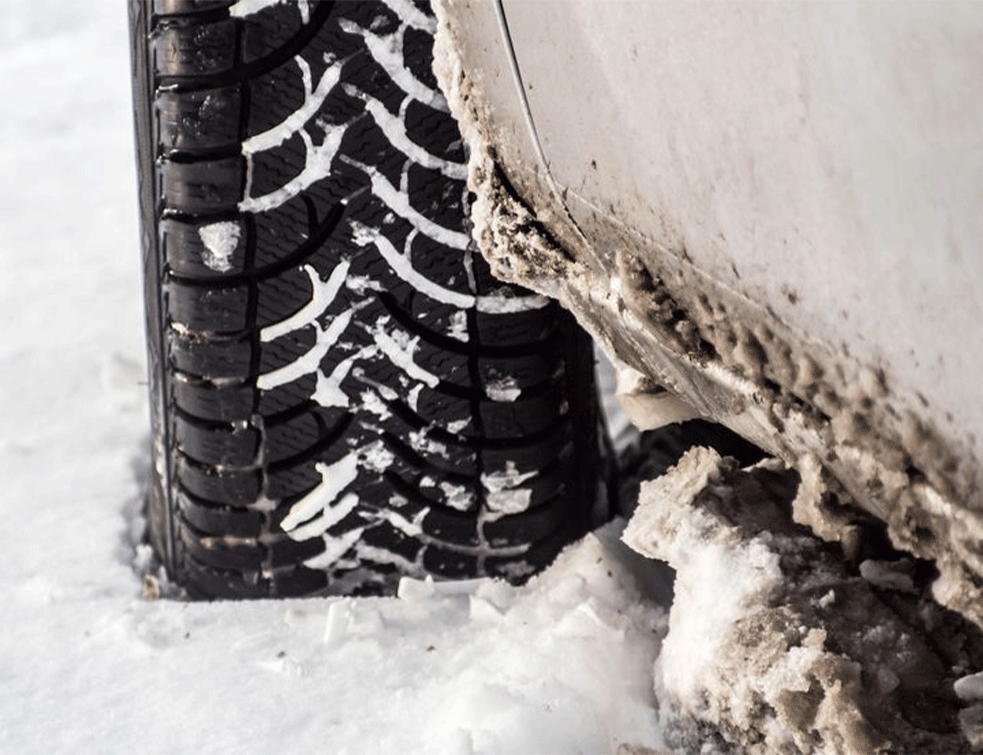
x=773, y=210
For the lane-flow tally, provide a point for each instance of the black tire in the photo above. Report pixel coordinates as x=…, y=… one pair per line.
x=341, y=393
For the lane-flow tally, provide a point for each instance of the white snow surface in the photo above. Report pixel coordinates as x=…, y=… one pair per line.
x=87, y=663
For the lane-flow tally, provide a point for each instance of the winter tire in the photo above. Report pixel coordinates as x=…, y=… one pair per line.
x=341, y=392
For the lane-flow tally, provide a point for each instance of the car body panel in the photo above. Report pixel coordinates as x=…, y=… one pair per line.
x=773, y=210
x=824, y=161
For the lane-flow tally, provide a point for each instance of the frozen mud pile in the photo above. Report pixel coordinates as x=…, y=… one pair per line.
x=773, y=645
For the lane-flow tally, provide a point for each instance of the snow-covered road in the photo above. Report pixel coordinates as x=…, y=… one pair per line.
x=87, y=665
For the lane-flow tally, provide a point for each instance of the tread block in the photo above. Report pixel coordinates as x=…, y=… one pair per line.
x=293, y=481
x=186, y=253
x=221, y=552
x=188, y=7
x=502, y=375
x=199, y=121
x=213, y=359
x=222, y=584
x=510, y=329
x=268, y=30
x=436, y=131
x=451, y=527
x=287, y=350
x=221, y=403
x=298, y=581
x=304, y=432
x=206, y=187
x=236, y=488
x=529, y=526
x=220, y=310
x=181, y=49
x=520, y=418
x=286, y=552
x=287, y=397
x=216, y=519
x=529, y=457
x=434, y=405
x=388, y=540
x=449, y=564
x=220, y=446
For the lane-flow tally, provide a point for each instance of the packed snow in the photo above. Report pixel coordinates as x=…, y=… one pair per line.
x=89, y=660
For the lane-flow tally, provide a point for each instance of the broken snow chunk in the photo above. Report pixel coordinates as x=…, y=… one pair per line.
x=773, y=646
x=483, y=610
x=887, y=680
x=413, y=397
x=376, y=457
x=970, y=688
x=649, y=406
x=411, y=589
x=336, y=623
x=220, y=242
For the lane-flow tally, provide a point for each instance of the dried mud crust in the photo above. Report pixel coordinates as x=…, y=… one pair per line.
x=869, y=452
x=774, y=645
x=342, y=392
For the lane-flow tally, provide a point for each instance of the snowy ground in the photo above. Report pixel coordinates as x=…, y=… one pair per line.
x=86, y=663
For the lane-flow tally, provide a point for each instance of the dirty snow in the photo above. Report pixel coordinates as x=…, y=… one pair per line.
x=87, y=664
x=794, y=654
